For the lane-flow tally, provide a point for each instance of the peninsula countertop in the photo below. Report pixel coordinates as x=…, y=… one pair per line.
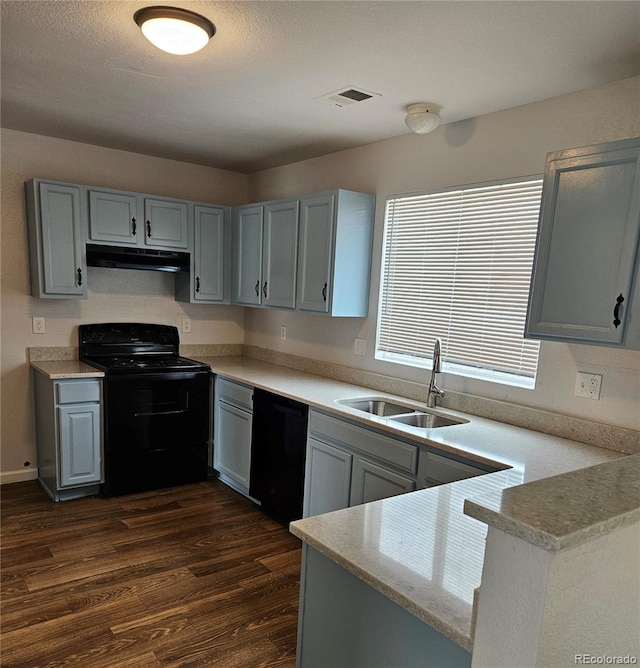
x=419, y=549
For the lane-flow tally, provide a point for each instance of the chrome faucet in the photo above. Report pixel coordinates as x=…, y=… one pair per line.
x=434, y=390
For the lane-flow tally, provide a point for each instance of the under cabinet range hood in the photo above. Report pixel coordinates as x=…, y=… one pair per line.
x=123, y=257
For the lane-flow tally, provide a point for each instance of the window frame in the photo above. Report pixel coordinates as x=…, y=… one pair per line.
x=469, y=369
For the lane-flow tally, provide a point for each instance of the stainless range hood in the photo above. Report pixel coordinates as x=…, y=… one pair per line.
x=123, y=257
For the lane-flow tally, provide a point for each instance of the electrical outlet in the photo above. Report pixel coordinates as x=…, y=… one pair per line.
x=588, y=385
x=37, y=324
x=359, y=346
x=186, y=325
x=283, y=332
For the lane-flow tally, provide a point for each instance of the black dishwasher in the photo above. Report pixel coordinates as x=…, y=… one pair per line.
x=278, y=445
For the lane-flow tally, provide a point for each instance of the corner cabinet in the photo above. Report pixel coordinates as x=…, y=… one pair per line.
x=347, y=465
x=585, y=281
x=336, y=234
x=69, y=436
x=56, y=240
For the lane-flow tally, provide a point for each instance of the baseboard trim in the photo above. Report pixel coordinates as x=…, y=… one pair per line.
x=21, y=475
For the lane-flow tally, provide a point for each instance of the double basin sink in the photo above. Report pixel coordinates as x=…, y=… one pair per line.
x=401, y=414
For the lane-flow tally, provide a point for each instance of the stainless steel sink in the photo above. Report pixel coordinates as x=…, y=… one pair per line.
x=374, y=406
x=426, y=420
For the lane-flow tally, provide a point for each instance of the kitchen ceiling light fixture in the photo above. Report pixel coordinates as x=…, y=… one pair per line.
x=422, y=117
x=176, y=31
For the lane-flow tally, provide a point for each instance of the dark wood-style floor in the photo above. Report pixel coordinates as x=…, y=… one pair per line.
x=189, y=576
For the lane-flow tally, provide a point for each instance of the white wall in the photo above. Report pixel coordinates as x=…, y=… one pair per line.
x=502, y=145
x=137, y=296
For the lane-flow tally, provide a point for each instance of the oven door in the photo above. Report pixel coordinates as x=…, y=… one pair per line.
x=157, y=430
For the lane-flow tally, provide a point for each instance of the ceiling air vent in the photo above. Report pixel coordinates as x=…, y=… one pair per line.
x=348, y=95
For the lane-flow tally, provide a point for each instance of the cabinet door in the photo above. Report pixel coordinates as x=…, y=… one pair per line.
x=587, y=244
x=327, y=478
x=113, y=218
x=316, y=250
x=209, y=254
x=62, y=241
x=371, y=482
x=280, y=255
x=80, y=460
x=165, y=223
x=247, y=255
x=232, y=450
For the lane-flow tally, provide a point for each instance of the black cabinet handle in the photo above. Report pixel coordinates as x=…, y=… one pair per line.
x=197, y=283
x=149, y=229
x=616, y=311
x=324, y=292
x=264, y=289
x=79, y=276
x=257, y=288
x=133, y=227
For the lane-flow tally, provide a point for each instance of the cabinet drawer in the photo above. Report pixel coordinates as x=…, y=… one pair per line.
x=438, y=470
x=77, y=391
x=402, y=455
x=235, y=394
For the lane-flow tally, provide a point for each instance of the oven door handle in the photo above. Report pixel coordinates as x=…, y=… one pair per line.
x=145, y=413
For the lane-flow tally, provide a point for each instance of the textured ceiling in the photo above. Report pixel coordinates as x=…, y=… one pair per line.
x=82, y=70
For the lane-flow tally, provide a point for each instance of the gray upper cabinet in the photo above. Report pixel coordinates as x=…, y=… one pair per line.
x=265, y=252
x=280, y=254
x=336, y=232
x=56, y=240
x=165, y=223
x=207, y=282
x=114, y=218
x=121, y=218
x=586, y=256
x=246, y=253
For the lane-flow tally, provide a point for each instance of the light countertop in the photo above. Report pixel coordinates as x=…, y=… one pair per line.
x=60, y=369
x=420, y=549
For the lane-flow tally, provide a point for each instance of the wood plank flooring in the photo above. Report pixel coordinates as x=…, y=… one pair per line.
x=190, y=576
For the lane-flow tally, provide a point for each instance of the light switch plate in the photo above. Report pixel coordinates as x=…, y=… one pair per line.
x=360, y=347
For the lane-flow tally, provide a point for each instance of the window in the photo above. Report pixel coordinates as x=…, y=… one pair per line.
x=457, y=265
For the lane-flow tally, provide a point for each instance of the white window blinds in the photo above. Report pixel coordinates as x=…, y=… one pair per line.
x=457, y=265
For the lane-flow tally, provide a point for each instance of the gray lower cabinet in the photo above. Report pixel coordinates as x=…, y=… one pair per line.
x=348, y=465
x=56, y=240
x=233, y=416
x=69, y=436
x=372, y=482
x=585, y=286
x=327, y=478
